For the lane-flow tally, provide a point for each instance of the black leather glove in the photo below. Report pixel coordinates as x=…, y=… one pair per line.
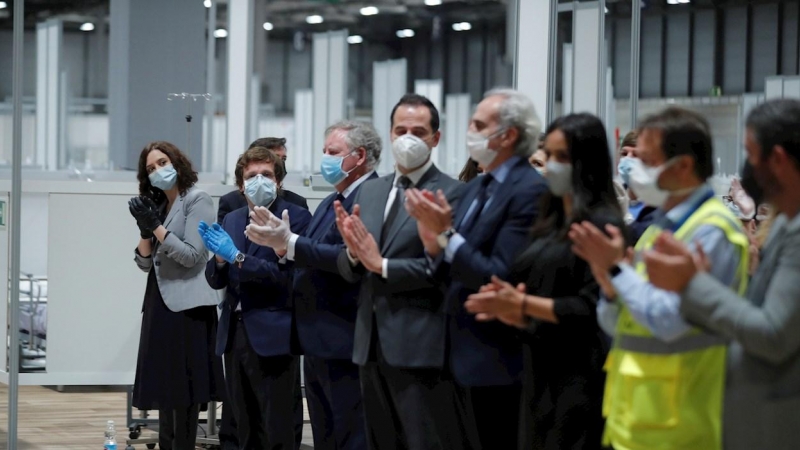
x=145, y=212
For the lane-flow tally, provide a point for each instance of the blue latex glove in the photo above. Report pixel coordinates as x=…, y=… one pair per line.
x=219, y=242
x=203, y=229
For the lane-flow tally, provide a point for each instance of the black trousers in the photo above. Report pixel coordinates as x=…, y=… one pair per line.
x=408, y=408
x=228, y=438
x=333, y=393
x=495, y=410
x=177, y=428
x=262, y=394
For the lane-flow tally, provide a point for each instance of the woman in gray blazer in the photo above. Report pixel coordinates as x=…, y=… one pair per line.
x=177, y=369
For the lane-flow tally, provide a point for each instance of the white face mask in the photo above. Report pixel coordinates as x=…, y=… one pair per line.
x=644, y=183
x=559, y=178
x=410, y=151
x=478, y=146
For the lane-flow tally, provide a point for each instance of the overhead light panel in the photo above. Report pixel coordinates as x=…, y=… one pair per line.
x=88, y=26
x=316, y=18
x=207, y=3
x=462, y=26
x=678, y=2
x=407, y=33
x=3, y=5
x=433, y=2
x=354, y=39
x=220, y=33
x=268, y=26
x=369, y=11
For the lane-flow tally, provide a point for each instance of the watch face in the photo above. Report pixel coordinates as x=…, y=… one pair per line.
x=442, y=240
x=239, y=257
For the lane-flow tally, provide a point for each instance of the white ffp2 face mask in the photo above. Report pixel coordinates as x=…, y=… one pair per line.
x=410, y=151
x=478, y=146
x=644, y=183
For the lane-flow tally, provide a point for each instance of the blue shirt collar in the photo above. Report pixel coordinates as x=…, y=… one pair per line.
x=679, y=212
x=500, y=173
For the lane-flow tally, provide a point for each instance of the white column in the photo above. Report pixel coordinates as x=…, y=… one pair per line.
x=303, y=143
x=454, y=154
x=586, y=58
x=329, y=82
x=388, y=86
x=240, y=70
x=49, y=108
x=531, y=68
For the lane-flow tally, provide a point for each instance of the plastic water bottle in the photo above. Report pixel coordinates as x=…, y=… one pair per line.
x=111, y=437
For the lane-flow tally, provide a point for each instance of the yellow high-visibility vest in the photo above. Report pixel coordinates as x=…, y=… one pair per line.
x=668, y=395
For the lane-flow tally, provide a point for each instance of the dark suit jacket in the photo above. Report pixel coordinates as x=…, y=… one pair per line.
x=324, y=302
x=489, y=353
x=408, y=305
x=235, y=199
x=259, y=285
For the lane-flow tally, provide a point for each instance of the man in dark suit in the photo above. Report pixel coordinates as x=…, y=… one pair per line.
x=324, y=302
x=235, y=199
x=410, y=399
x=481, y=239
x=230, y=202
x=255, y=328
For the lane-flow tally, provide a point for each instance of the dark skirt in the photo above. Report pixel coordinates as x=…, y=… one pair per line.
x=177, y=366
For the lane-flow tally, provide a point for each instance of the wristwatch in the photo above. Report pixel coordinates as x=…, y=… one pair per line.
x=239, y=259
x=444, y=237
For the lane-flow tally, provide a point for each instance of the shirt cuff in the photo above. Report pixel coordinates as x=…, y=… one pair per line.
x=222, y=264
x=353, y=261
x=385, y=268
x=625, y=279
x=456, y=241
x=290, y=248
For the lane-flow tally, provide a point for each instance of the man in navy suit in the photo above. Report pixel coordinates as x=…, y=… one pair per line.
x=230, y=202
x=479, y=239
x=324, y=303
x=255, y=329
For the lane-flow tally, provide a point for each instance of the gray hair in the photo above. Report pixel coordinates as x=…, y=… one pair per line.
x=360, y=134
x=517, y=111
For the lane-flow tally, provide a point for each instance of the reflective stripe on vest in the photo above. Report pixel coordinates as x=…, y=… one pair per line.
x=655, y=346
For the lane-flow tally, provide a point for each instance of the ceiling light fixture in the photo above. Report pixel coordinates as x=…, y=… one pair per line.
x=354, y=39
x=462, y=26
x=407, y=33
x=369, y=11
x=268, y=26
x=88, y=26
x=3, y=5
x=433, y=2
x=207, y=3
x=678, y=2
x=316, y=18
x=220, y=33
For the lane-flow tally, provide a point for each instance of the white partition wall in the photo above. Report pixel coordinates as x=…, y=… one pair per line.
x=782, y=87
x=432, y=89
x=388, y=85
x=453, y=154
x=240, y=71
x=329, y=82
x=586, y=58
x=303, y=144
x=567, y=81
x=50, y=129
x=531, y=71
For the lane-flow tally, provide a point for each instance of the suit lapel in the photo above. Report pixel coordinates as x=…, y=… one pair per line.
x=178, y=205
x=320, y=214
x=372, y=215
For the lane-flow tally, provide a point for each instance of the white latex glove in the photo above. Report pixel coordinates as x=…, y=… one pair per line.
x=274, y=234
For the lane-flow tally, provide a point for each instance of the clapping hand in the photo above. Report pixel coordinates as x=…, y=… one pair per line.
x=343, y=221
x=218, y=241
x=671, y=265
x=498, y=300
x=268, y=230
x=145, y=211
x=364, y=244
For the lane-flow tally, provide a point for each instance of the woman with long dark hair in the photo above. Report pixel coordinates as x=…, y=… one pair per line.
x=552, y=295
x=177, y=369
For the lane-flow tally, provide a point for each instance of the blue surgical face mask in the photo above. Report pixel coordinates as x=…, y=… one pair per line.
x=164, y=178
x=260, y=190
x=624, y=168
x=331, y=168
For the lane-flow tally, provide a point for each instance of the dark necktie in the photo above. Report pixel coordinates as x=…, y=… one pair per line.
x=402, y=184
x=483, y=191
